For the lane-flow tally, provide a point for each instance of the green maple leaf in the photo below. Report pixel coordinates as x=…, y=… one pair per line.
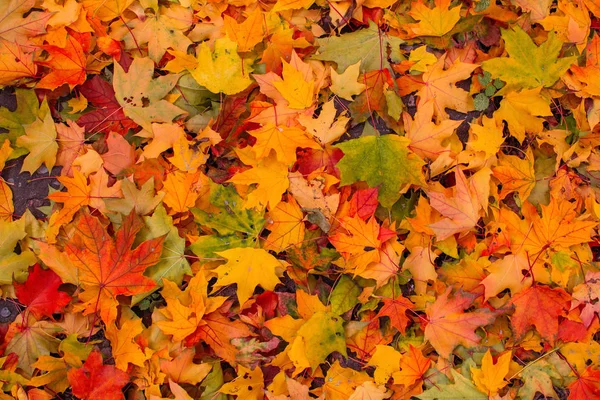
x=462, y=388
x=529, y=66
x=141, y=96
x=173, y=264
x=235, y=225
x=381, y=161
x=363, y=45
x=40, y=140
x=13, y=265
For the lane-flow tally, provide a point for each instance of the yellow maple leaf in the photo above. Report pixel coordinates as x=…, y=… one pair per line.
x=106, y=10
x=248, y=268
x=122, y=341
x=282, y=140
x=435, y=21
x=283, y=5
x=327, y=128
x=249, y=384
x=222, y=70
x=522, y=112
x=490, y=377
x=272, y=181
x=40, y=140
x=386, y=361
x=346, y=84
x=298, y=92
x=487, y=137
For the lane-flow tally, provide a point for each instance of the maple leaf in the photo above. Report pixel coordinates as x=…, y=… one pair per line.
x=358, y=241
x=248, y=268
x=222, y=70
x=357, y=47
x=18, y=29
x=433, y=22
x=108, y=268
x=77, y=196
x=122, y=341
x=346, y=84
x=182, y=369
x=141, y=96
x=341, y=382
x=283, y=141
x=248, y=33
x=40, y=293
x=548, y=305
x=515, y=174
x=386, y=361
x=327, y=127
x=106, y=10
x=361, y=162
x=163, y=29
x=309, y=350
x=506, y=274
x=183, y=190
x=529, y=66
x=425, y=136
x=95, y=381
x=448, y=325
x=68, y=65
x=30, y=339
x=490, y=377
x=462, y=209
x=421, y=267
x=295, y=88
x=556, y=229
x=413, y=366
x=15, y=62
x=310, y=195
x=462, y=388
x=13, y=266
x=120, y=154
x=586, y=386
x=249, y=384
x=395, y=310
x=522, y=111
x=272, y=181
x=286, y=223
x=40, y=140
x=70, y=138
x=108, y=114
x=439, y=86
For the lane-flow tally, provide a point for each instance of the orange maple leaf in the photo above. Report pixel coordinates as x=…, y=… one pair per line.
x=109, y=268
x=448, y=325
x=68, y=65
x=539, y=306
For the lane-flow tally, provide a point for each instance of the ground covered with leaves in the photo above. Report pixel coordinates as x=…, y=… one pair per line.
x=295, y=199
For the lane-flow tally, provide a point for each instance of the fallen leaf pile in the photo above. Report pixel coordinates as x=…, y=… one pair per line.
x=299, y=199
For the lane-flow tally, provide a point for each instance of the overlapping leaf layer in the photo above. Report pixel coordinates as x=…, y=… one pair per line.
x=296, y=199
